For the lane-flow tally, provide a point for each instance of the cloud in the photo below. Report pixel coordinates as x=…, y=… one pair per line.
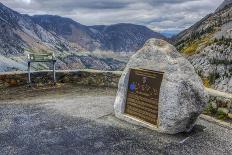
x=24, y=1
x=159, y=15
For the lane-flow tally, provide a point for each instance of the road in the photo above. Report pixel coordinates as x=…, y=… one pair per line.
x=80, y=120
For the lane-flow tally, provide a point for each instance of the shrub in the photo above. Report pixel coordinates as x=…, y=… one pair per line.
x=221, y=115
x=209, y=110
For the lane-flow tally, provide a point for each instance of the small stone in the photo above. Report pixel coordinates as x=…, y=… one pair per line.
x=98, y=145
x=223, y=110
x=221, y=102
x=228, y=102
x=230, y=115
x=214, y=105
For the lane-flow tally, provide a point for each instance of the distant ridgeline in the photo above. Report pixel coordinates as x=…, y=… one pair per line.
x=69, y=40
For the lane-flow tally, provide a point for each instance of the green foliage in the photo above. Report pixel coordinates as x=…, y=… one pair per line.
x=213, y=77
x=198, y=35
x=230, y=70
x=209, y=110
x=223, y=41
x=200, y=72
x=221, y=115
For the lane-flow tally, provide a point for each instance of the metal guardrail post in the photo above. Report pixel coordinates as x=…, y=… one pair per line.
x=29, y=73
x=54, y=71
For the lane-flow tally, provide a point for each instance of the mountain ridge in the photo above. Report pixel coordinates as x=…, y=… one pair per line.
x=102, y=37
x=207, y=45
x=223, y=5
x=74, y=44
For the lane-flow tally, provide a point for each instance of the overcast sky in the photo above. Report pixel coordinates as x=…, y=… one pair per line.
x=159, y=15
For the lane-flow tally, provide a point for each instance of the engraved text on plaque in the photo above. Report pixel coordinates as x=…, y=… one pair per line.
x=143, y=94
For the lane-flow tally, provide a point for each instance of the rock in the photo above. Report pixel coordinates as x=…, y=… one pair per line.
x=182, y=94
x=214, y=105
x=230, y=115
x=221, y=101
x=223, y=110
x=228, y=102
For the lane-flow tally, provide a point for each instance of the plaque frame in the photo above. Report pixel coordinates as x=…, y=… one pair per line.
x=137, y=119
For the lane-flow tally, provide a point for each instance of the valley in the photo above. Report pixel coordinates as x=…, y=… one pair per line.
x=207, y=44
x=76, y=46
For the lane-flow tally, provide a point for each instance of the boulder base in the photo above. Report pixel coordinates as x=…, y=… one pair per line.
x=182, y=94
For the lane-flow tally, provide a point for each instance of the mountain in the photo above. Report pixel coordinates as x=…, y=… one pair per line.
x=207, y=45
x=19, y=35
x=68, y=29
x=118, y=37
x=75, y=45
x=124, y=37
x=19, y=32
x=223, y=5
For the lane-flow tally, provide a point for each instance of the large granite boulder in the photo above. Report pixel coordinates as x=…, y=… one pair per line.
x=182, y=94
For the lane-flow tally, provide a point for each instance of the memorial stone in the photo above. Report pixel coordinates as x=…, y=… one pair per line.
x=160, y=90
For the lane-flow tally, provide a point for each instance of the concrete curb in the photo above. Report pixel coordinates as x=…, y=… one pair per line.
x=216, y=93
x=218, y=122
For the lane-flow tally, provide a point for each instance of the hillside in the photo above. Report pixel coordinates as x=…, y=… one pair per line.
x=224, y=4
x=19, y=35
x=76, y=46
x=68, y=29
x=207, y=45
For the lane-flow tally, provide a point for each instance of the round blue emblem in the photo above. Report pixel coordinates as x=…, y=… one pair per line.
x=132, y=87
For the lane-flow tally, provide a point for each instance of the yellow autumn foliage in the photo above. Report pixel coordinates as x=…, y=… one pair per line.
x=191, y=47
x=206, y=82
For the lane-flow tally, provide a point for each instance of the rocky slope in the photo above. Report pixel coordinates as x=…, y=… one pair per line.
x=19, y=35
x=224, y=4
x=208, y=45
x=68, y=29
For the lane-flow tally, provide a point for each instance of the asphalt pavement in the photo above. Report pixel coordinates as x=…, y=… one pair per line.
x=81, y=121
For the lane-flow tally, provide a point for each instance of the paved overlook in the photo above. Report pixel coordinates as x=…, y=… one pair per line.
x=80, y=120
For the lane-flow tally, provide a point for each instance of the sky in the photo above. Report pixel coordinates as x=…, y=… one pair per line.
x=165, y=16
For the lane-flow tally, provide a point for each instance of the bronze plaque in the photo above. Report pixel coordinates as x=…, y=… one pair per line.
x=143, y=94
